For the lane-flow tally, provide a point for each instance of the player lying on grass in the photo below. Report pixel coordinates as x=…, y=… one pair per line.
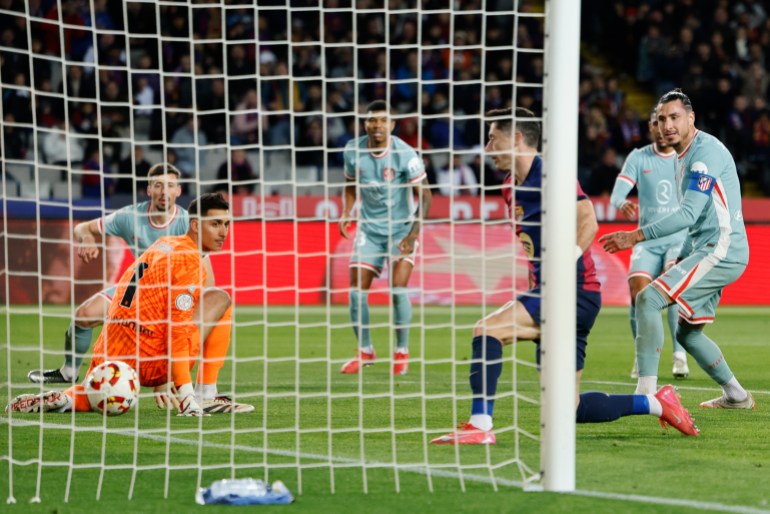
x=715, y=253
x=652, y=169
x=150, y=323
x=513, y=147
x=140, y=225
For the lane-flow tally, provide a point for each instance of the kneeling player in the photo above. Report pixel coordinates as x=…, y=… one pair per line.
x=150, y=322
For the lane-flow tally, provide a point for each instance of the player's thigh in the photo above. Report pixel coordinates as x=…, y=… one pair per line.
x=510, y=322
x=400, y=272
x=213, y=304
x=91, y=313
x=696, y=285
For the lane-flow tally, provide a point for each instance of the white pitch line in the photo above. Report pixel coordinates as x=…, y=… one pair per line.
x=655, y=500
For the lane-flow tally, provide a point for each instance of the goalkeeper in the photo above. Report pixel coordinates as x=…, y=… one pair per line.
x=150, y=323
x=140, y=225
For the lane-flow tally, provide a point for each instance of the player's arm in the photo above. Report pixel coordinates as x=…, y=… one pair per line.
x=619, y=197
x=86, y=234
x=425, y=200
x=210, y=282
x=693, y=202
x=624, y=183
x=587, y=226
x=348, y=200
x=183, y=331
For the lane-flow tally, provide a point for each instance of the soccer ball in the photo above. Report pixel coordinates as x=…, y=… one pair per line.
x=112, y=387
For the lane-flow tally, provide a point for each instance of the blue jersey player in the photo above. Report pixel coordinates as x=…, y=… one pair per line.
x=387, y=174
x=651, y=169
x=714, y=254
x=513, y=147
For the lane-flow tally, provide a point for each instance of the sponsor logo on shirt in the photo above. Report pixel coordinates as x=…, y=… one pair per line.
x=647, y=171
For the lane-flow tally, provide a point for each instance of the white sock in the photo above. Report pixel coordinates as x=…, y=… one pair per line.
x=67, y=372
x=679, y=356
x=205, y=391
x=482, y=421
x=734, y=391
x=367, y=349
x=647, y=385
x=656, y=409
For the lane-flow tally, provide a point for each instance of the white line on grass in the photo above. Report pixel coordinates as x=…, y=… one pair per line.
x=655, y=500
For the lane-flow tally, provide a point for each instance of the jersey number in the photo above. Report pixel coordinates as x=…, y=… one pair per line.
x=128, y=296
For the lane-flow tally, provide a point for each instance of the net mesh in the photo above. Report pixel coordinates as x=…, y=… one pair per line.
x=258, y=102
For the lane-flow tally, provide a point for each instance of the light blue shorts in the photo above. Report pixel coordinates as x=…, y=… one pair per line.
x=650, y=258
x=371, y=250
x=696, y=284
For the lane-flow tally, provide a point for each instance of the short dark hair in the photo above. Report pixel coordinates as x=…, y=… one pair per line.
x=378, y=105
x=207, y=202
x=163, y=168
x=674, y=95
x=526, y=123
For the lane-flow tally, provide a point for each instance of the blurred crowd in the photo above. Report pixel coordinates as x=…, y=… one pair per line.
x=258, y=79
x=717, y=51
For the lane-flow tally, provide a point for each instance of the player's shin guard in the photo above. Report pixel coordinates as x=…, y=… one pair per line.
x=486, y=366
x=598, y=407
x=402, y=316
x=673, y=322
x=82, y=340
x=649, y=337
x=359, y=315
x=705, y=352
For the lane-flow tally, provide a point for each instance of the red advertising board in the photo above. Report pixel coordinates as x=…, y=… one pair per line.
x=306, y=263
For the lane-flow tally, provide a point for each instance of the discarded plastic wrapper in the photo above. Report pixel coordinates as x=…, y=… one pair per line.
x=244, y=491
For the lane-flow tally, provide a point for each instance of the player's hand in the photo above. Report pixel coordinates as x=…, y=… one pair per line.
x=629, y=209
x=188, y=405
x=88, y=249
x=618, y=241
x=344, y=223
x=407, y=245
x=165, y=396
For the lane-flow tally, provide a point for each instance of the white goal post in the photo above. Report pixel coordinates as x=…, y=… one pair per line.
x=257, y=100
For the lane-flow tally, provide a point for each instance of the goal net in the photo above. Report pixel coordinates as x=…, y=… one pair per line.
x=258, y=102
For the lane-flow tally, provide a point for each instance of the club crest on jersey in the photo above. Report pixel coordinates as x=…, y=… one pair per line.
x=704, y=182
x=388, y=174
x=184, y=302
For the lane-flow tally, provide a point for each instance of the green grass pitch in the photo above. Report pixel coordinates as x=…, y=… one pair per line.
x=363, y=437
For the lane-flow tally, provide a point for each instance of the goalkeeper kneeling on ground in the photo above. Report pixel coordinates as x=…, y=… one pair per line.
x=155, y=331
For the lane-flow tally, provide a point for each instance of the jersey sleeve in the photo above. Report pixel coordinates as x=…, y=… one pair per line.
x=120, y=223
x=625, y=181
x=415, y=168
x=187, y=277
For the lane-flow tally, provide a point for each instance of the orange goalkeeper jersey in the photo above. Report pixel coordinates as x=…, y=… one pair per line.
x=153, y=309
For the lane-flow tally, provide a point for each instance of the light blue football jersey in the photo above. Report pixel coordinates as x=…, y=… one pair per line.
x=385, y=182
x=132, y=223
x=711, y=207
x=654, y=175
